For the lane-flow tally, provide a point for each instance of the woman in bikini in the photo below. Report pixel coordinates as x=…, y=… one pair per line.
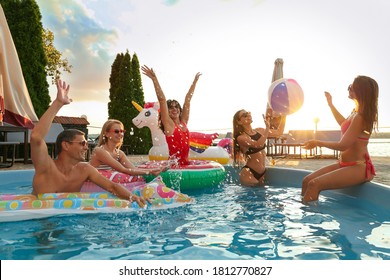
x=174, y=119
x=108, y=155
x=354, y=166
x=249, y=147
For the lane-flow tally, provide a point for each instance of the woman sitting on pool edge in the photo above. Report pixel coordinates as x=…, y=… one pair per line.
x=108, y=155
x=249, y=145
x=354, y=166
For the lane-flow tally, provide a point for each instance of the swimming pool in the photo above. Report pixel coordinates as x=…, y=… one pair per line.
x=226, y=222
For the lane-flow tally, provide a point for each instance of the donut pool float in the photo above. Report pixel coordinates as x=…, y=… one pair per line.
x=198, y=174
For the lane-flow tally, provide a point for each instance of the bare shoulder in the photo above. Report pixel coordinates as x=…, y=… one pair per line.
x=84, y=171
x=98, y=150
x=242, y=137
x=85, y=167
x=260, y=130
x=98, y=154
x=81, y=171
x=122, y=153
x=358, y=119
x=243, y=140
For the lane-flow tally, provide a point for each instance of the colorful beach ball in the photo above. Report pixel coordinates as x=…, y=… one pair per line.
x=285, y=96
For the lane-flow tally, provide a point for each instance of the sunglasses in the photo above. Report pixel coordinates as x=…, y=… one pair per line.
x=83, y=143
x=118, y=131
x=350, y=88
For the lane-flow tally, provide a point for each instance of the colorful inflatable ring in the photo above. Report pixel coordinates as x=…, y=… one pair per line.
x=16, y=207
x=126, y=180
x=198, y=174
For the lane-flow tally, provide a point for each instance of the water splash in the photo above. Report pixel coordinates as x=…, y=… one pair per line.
x=176, y=173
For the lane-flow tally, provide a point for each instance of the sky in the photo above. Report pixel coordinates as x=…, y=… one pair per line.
x=233, y=43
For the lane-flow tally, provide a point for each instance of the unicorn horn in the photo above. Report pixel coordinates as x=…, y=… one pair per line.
x=137, y=106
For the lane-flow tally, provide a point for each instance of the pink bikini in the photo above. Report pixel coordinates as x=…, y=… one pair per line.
x=370, y=169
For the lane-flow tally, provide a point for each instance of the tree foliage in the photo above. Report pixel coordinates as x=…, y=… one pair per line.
x=55, y=61
x=126, y=86
x=24, y=21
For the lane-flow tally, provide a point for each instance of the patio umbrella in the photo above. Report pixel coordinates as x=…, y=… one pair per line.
x=278, y=70
x=15, y=101
x=276, y=119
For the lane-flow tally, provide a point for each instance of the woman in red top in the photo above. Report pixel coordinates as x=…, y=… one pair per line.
x=174, y=119
x=354, y=166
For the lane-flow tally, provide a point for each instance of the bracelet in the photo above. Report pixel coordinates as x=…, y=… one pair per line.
x=131, y=198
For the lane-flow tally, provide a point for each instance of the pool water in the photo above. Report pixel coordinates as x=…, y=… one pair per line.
x=226, y=222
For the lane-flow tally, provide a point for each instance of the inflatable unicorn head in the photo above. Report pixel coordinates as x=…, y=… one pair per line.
x=148, y=117
x=200, y=142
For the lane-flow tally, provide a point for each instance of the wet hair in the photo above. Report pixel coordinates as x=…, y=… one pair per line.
x=106, y=128
x=169, y=103
x=238, y=129
x=66, y=136
x=367, y=91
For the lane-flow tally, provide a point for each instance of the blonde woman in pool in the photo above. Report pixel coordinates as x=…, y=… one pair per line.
x=108, y=155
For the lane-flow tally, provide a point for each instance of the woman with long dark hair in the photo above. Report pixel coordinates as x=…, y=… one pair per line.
x=354, y=166
x=174, y=119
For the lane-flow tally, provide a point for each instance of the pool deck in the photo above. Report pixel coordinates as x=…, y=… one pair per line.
x=381, y=165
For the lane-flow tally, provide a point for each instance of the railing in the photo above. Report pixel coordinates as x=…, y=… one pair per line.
x=291, y=144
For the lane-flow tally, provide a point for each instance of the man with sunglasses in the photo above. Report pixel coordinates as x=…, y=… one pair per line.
x=68, y=172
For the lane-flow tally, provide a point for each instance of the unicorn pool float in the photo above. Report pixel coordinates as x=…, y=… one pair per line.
x=199, y=142
x=205, y=161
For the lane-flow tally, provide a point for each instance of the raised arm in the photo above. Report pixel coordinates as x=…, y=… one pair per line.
x=278, y=131
x=339, y=118
x=168, y=123
x=185, y=115
x=39, y=152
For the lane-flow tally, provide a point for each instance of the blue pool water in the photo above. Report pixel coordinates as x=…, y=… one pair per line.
x=226, y=222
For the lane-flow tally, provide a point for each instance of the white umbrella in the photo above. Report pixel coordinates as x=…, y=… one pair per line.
x=17, y=109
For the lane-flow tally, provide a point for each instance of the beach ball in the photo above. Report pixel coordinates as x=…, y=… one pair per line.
x=285, y=96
